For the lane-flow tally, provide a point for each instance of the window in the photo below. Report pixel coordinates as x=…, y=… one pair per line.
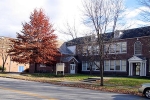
x=79, y=49
x=106, y=47
x=42, y=65
x=98, y=65
x=123, y=65
x=123, y=47
x=97, y=49
x=115, y=65
x=88, y=66
x=84, y=49
x=84, y=65
x=93, y=66
x=106, y=66
x=89, y=50
x=112, y=65
x=118, y=46
x=112, y=48
x=137, y=48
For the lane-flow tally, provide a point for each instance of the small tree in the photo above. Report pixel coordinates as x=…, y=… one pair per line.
x=37, y=42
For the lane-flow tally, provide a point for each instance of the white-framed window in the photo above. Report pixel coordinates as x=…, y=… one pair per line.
x=137, y=48
x=42, y=65
x=89, y=50
x=97, y=65
x=112, y=48
x=84, y=64
x=112, y=65
x=106, y=65
x=120, y=47
x=123, y=65
x=88, y=66
x=124, y=47
x=96, y=49
x=84, y=50
x=106, y=48
x=115, y=65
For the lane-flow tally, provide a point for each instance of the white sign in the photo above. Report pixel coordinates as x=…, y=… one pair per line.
x=60, y=67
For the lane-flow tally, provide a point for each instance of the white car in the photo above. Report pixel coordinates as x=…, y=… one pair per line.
x=145, y=90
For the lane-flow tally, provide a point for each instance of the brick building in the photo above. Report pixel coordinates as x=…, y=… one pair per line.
x=128, y=53
x=10, y=66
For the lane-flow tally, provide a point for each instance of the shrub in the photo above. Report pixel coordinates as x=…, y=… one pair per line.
x=1, y=67
x=26, y=70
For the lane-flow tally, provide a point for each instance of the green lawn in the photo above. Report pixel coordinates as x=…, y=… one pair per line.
x=127, y=81
x=113, y=81
x=69, y=77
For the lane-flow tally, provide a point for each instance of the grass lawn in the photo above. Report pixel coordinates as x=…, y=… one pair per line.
x=128, y=81
x=113, y=84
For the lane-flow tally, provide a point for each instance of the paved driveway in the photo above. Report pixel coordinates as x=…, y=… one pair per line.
x=13, y=89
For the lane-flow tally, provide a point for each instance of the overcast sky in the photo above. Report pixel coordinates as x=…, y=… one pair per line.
x=15, y=12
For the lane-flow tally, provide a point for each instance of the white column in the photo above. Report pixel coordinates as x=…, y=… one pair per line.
x=129, y=69
x=141, y=69
x=145, y=68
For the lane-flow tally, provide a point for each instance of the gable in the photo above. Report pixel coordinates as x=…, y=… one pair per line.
x=135, y=58
x=72, y=49
x=68, y=59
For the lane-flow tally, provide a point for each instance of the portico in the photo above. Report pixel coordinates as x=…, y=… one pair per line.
x=137, y=66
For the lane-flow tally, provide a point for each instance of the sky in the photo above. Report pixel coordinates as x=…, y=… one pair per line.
x=16, y=12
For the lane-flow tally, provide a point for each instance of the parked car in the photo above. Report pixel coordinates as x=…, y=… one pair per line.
x=145, y=90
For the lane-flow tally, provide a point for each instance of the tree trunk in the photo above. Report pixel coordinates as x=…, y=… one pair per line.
x=3, y=68
x=35, y=67
x=101, y=74
x=90, y=69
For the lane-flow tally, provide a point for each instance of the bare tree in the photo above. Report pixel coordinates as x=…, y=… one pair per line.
x=89, y=50
x=4, y=46
x=102, y=15
x=145, y=12
x=70, y=30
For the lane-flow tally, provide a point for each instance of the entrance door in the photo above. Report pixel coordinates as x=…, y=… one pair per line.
x=72, y=68
x=21, y=68
x=136, y=69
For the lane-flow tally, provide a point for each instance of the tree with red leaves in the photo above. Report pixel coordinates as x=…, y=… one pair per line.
x=36, y=43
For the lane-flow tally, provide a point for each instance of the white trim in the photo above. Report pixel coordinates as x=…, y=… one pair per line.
x=135, y=59
x=74, y=68
x=120, y=62
x=42, y=65
x=114, y=46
